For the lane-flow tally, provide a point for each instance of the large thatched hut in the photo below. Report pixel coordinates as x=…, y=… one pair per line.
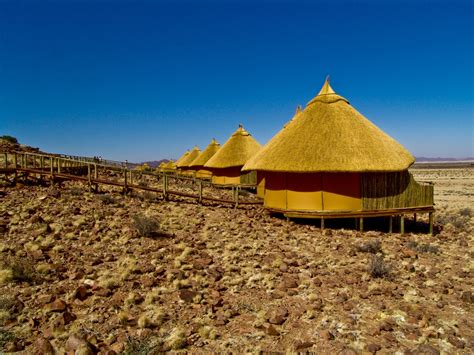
x=169, y=167
x=182, y=157
x=330, y=161
x=183, y=165
x=198, y=163
x=227, y=163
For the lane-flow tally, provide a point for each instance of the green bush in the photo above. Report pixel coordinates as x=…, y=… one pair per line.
x=9, y=139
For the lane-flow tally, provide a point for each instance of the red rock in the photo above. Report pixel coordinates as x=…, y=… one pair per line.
x=81, y=293
x=272, y=331
x=326, y=335
x=300, y=345
x=76, y=342
x=63, y=319
x=42, y=347
x=56, y=306
x=102, y=292
x=147, y=281
x=277, y=316
x=373, y=348
x=187, y=295
x=458, y=343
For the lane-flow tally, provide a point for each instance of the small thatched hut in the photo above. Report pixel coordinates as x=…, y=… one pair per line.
x=227, y=163
x=169, y=167
x=182, y=157
x=183, y=165
x=198, y=163
x=330, y=160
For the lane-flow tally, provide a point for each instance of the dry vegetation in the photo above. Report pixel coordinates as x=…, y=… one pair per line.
x=132, y=274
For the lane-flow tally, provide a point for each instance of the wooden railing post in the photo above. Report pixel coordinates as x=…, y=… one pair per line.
x=165, y=186
x=51, y=169
x=89, y=176
x=200, y=191
x=59, y=165
x=125, y=178
x=6, y=160
x=15, y=165
x=431, y=219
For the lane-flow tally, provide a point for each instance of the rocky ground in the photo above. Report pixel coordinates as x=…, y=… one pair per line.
x=86, y=273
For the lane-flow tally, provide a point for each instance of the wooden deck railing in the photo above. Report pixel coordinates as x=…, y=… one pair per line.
x=97, y=172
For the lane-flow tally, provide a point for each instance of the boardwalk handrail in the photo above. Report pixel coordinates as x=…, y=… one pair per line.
x=59, y=166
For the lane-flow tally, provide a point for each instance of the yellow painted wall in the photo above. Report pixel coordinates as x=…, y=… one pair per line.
x=205, y=174
x=260, y=185
x=312, y=192
x=228, y=176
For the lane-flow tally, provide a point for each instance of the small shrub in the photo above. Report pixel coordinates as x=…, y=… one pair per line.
x=22, y=269
x=143, y=346
x=107, y=199
x=378, y=268
x=7, y=337
x=9, y=139
x=371, y=246
x=76, y=191
x=147, y=227
x=423, y=248
x=465, y=212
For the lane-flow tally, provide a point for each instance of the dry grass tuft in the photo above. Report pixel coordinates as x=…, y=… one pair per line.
x=378, y=268
x=18, y=269
x=148, y=227
x=370, y=246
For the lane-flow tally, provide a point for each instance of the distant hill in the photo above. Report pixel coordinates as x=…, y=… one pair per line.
x=155, y=163
x=425, y=159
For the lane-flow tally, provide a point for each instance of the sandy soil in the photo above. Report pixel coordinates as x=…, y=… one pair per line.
x=76, y=275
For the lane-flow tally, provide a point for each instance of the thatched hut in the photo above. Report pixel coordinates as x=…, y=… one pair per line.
x=332, y=161
x=182, y=157
x=198, y=163
x=183, y=165
x=227, y=163
x=169, y=167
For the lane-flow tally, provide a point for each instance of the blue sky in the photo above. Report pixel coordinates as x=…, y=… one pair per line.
x=145, y=80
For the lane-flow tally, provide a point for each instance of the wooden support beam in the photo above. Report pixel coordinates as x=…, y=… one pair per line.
x=402, y=224
x=322, y=223
x=414, y=221
x=361, y=224
x=431, y=219
x=200, y=192
x=390, y=224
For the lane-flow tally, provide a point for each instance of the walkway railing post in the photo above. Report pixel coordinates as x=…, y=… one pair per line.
x=51, y=167
x=200, y=191
x=89, y=176
x=6, y=160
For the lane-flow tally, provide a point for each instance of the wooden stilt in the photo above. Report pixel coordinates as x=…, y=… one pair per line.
x=402, y=224
x=390, y=224
x=431, y=219
x=200, y=192
x=322, y=223
x=414, y=221
x=361, y=224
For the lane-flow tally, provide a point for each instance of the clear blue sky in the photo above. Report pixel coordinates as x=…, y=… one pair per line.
x=143, y=80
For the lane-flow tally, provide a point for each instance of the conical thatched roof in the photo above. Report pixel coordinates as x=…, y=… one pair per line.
x=330, y=135
x=206, y=154
x=189, y=158
x=184, y=156
x=240, y=147
x=170, y=165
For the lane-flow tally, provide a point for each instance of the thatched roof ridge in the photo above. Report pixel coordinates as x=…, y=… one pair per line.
x=180, y=159
x=189, y=158
x=238, y=149
x=170, y=165
x=330, y=135
x=206, y=154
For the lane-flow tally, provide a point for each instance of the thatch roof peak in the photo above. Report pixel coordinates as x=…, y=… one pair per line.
x=189, y=158
x=239, y=148
x=330, y=135
x=180, y=159
x=206, y=154
x=327, y=95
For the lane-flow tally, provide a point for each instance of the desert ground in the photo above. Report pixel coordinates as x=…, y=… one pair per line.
x=84, y=272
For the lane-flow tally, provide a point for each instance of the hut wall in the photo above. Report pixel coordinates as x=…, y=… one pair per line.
x=394, y=190
x=227, y=176
x=313, y=191
x=249, y=178
x=203, y=174
x=260, y=184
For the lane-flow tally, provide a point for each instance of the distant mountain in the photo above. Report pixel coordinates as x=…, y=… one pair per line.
x=155, y=163
x=425, y=159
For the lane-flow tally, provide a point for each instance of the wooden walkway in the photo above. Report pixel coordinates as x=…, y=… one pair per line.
x=94, y=174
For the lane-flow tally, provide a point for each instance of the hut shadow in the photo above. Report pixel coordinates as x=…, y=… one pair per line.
x=373, y=224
